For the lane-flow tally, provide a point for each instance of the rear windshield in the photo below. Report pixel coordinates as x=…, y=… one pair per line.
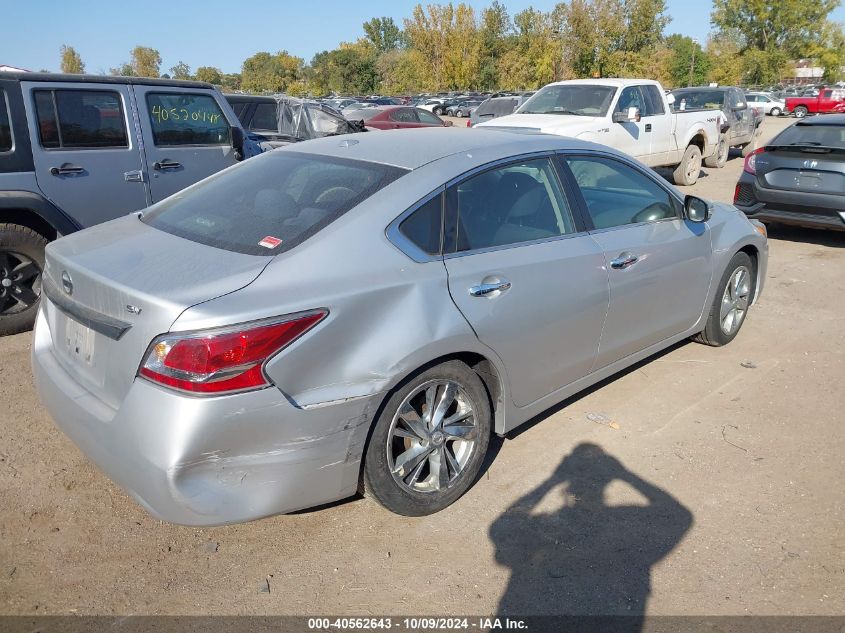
x=364, y=114
x=698, y=99
x=499, y=107
x=815, y=135
x=270, y=203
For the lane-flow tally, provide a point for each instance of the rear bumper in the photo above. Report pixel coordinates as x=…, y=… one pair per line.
x=789, y=207
x=209, y=461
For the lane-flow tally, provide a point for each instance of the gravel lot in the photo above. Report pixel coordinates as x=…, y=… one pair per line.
x=704, y=481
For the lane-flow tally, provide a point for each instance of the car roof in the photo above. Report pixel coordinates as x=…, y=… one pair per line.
x=827, y=119
x=102, y=79
x=238, y=98
x=413, y=148
x=608, y=81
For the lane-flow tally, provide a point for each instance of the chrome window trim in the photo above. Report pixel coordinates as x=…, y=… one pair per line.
x=403, y=243
x=502, y=247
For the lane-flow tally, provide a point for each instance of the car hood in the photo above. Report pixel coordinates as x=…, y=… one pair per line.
x=562, y=124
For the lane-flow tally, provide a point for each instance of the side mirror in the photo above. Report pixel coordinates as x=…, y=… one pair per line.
x=739, y=107
x=696, y=209
x=631, y=114
x=238, y=142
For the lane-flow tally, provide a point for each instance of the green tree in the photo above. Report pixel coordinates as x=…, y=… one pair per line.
x=686, y=56
x=494, y=31
x=124, y=70
x=180, y=71
x=209, y=74
x=264, y=72
x=383, y=34
x=145, y=62
x=726, y=66
x=71, y=61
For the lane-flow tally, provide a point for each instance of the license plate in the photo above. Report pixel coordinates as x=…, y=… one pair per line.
x=79, y=342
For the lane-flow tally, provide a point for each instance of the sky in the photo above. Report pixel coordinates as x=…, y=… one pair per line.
x=224, y=33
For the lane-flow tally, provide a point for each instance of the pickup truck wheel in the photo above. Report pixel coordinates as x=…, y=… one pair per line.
x=686, y=173
x=719, y=159
x=801, y=112
x=21, y=263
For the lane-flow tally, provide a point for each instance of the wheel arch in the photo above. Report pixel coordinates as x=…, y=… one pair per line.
x=33, y=211
x=754, y=254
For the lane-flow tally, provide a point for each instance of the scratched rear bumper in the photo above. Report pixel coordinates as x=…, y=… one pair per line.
x=209, y=461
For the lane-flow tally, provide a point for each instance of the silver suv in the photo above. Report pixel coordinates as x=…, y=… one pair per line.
x=77, y=150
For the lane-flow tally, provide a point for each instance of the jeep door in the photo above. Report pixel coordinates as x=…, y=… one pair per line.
x=187, y=135
x=86, y=149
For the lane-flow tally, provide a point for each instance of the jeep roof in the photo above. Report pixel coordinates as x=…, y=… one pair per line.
x=102, y=79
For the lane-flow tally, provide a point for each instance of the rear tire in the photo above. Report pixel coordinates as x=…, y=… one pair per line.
x=415, y=465
x=719, y=159
x=775, y=112
x=730, y=305
x=21, y=264
x=686, y=173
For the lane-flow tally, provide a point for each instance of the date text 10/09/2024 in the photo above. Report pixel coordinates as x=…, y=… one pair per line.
x=415, y=624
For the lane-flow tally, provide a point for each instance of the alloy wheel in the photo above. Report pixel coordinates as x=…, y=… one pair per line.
x=20, y=282
x=735, y=300
x=432, y=437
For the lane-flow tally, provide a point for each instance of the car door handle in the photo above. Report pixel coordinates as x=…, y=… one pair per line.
x=624, y=261
x=488, y=290
x=67, y=169
x=165, y=164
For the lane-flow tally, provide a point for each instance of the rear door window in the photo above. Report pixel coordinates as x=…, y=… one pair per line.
x=427, y=117
x=5, y=125
x=424, y=226
x=186, y=119
x=271, y=203
x=265, y=117
x=403, y=115
x=80, y=119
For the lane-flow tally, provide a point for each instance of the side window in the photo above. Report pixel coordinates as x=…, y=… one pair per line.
x=427, y=117
x=80, y=118
x=631, y=97
x=617, y=194
x=186, y=119
x=654, y=101
x=827, y=94
x=5, y=124
x=325, y=124
x=238, y=109
x=403, y=115
x=734, y=98
x=264, y=117
x=423, y=226
x=508, y=205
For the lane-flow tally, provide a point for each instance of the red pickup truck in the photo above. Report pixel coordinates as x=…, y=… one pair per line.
x=829, y=100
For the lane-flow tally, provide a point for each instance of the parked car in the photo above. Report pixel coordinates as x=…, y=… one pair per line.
x=443, y=107
x=826, y=101
x=740, y=122
x=769, y=105
x=276, y=121
x=631, y=115
x=797, y=178
x=495, y=107
x=81, y=149
x=184, y=349
x=397, y=117
x=463, y=109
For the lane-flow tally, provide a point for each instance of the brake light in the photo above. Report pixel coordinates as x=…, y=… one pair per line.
x=222, y=360
x=469, y=124
x=736, y=193
x=750, y=166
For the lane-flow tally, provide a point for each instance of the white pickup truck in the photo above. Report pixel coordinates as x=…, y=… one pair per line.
x=631, y=115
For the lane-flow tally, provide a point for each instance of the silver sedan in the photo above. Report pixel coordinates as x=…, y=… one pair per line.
x=361, y=313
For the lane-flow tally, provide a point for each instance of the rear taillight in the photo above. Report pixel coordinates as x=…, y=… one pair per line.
x=469, y=123
x=750, y=166
x=223, y=360
x=736, y=193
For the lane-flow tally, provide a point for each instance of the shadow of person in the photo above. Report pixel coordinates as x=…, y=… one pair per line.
x=586, y=557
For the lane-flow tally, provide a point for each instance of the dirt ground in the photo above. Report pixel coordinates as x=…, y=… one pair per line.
x=704, y=481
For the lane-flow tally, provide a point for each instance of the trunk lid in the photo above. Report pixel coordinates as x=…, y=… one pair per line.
x=112, y=288
x=808, y=169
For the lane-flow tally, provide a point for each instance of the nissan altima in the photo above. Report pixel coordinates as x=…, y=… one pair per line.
x=362, y=313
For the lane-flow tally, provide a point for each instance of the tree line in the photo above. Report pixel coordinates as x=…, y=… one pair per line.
x=453, y=47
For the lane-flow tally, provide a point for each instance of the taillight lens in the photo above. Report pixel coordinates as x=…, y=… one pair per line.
x=750, y=166
x=222, y=360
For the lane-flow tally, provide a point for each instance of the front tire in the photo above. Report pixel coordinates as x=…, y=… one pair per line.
x=730, y=305
x=686, y=173
x=429, y=441
x=21, y=264
x=720, y=158
x=801, y=111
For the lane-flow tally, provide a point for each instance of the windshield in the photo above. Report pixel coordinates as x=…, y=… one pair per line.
x=815, y=135
x=695, y=99
x=364, y=114
x=270, y=203
x=579, y=99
